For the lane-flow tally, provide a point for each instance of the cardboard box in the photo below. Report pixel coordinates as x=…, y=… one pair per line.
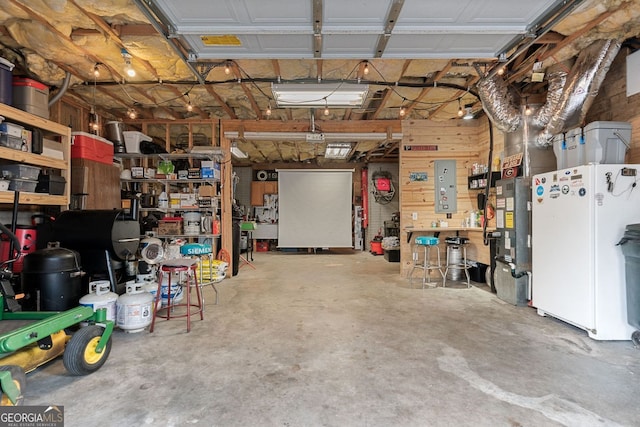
x=170, y=226
x=188, y=200
x=137, y=172
x=206, y=191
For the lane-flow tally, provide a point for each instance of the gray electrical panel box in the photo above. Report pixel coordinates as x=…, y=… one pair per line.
x=446, y=191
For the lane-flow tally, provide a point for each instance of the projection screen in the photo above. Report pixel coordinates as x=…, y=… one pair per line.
x=314, y=208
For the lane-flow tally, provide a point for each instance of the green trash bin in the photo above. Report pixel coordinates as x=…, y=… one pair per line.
x=630, y=245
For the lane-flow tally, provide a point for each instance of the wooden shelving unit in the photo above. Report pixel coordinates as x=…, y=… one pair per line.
x=50, y=130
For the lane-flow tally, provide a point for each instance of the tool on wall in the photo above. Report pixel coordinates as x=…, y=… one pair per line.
x=383, y=189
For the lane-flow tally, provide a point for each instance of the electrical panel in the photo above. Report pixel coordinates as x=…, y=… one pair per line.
x=445, y=187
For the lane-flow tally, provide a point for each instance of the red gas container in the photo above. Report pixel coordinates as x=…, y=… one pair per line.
x=26, y=235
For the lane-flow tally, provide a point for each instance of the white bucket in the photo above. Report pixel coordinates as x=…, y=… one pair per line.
x=176, y=289
x=191, y=223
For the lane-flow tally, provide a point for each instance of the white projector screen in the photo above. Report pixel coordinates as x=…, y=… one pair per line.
x=314, y=208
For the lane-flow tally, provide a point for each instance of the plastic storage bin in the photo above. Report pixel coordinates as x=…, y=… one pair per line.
x=20, y=171
x=132, y=140
x=13, y=142
x=27, y=185
x=91, y=147
x=31, y=96
x=606, y=142
x=51, y=184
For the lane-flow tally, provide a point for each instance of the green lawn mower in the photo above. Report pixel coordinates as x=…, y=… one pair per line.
x=29, y=339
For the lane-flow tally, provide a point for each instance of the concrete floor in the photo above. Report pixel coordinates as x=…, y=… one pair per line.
x=339, y=339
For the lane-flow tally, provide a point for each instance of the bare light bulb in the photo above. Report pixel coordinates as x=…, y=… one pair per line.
x=268, y=112
x=326, y=111
x=132, y=113
x=129, y=69
x=189, y=106
x=96, y=71
x=460, y=111
x=527, y=110
x=365, y=71
x=402, y=111
x=500, y=71
x=227, y=69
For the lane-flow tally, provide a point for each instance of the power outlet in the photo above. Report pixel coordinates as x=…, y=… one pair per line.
x=414, y=216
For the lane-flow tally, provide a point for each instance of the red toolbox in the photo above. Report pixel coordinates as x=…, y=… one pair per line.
x=91, y=147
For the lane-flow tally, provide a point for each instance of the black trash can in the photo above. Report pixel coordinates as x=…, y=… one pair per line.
x=630, y=245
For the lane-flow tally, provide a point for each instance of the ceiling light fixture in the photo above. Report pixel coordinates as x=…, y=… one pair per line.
x=337, y=150
x=268, y=112
x=460, y=111
x=304, y=95
x=402, y=110
x=227, y=68
x=132, y=113
x=303, y=136
x=527, y=108
x=365, y=70
x=237, y=152
x=96, y=70
x=326, y=108
x=128, y=68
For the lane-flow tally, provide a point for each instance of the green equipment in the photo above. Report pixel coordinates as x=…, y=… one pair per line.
x=30, y=339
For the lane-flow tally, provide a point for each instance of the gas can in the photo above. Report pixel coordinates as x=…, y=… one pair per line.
x=100, y=296
x=134, y=307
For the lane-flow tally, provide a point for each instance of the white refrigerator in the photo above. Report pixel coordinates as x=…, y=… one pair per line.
x=578, y=274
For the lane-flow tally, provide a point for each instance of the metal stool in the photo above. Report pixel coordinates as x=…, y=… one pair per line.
x=457, y=244
x=189, y=267
x=427, y=243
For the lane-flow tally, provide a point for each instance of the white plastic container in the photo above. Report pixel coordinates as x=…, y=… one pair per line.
x=152, y=288
x=100, y=296
x=606, y=142
x=134, y=308
x=191, y=223
x=132, y=140
x=176, y=289
x=574, y=148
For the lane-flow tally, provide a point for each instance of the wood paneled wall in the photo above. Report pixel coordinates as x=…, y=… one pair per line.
x=466, y=142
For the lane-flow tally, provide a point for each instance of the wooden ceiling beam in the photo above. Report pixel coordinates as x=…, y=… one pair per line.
x=426, y=90
x=227, y=109
x=64, y=38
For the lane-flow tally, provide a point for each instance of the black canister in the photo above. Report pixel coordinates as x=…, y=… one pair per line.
x=52, y=279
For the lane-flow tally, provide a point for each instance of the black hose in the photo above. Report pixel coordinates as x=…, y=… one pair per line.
x=488, y=185
x=512, y=267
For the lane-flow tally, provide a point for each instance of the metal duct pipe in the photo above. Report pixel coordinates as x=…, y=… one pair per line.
x=63, y=89
x=498, y=101
x=581, y=88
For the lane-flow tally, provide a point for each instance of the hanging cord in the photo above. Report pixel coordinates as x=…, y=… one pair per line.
x=487, y=186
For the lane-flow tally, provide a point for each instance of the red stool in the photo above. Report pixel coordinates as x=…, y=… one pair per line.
x=190, y=282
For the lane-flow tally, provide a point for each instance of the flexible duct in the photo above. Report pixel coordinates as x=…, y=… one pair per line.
x=580, y=89
x=557, y=80
x=63, y=89
x=499, y=104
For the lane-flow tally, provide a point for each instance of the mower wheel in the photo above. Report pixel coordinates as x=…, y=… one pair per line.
x=80, y=356
x=19, y=380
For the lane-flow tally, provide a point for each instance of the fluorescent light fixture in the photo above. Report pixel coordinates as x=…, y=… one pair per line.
x=238, y=153
x=298, y=95
x=337, y=150
x=303, y=136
